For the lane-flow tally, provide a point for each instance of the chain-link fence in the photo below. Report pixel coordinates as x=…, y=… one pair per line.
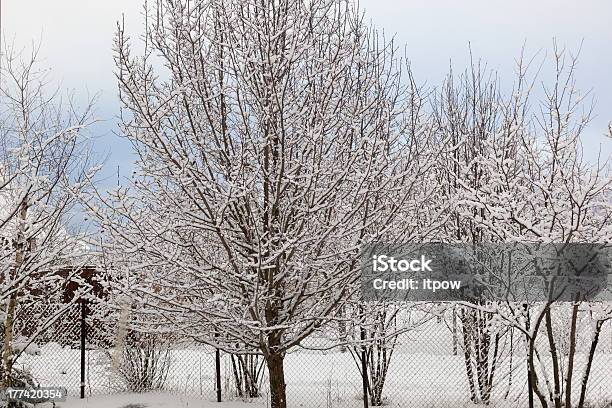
x=442, y=356
x=429, y=364
x=111, y=362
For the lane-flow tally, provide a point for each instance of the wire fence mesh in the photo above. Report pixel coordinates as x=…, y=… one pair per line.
x=448, y=356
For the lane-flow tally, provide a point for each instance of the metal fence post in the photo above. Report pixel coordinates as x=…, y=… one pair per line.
x=455, y=340
x=364, y=368
x=218, y=372
x=83, y=338
x=529, y=375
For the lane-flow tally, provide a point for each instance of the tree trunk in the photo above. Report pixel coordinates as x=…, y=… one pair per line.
x=572, y=355
x=467, y=328
x=251, y=379
x=486, y=398
x=533, y=376
x=9, y=319
x=556, y=398
x=587, y=371
x=237, y=377
x=7, y=349
x=276, y=369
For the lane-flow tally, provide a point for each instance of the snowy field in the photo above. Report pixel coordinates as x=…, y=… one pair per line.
x=423, y=373
x=314, y=379
x=150, y=400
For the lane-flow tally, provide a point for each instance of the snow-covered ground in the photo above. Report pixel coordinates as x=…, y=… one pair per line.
x=423, y=373
x=150, y=400
x=313, y=380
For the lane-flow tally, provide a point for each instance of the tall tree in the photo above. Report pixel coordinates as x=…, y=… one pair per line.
x=539, y=188
x=274, y=138
x=44, y=167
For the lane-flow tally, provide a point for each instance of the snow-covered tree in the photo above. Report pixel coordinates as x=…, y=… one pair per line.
x=538, y=188
x=472, y=111
x=274, y=138
x=44, y=166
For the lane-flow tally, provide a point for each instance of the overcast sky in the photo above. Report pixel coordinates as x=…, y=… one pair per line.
x=77, y=35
